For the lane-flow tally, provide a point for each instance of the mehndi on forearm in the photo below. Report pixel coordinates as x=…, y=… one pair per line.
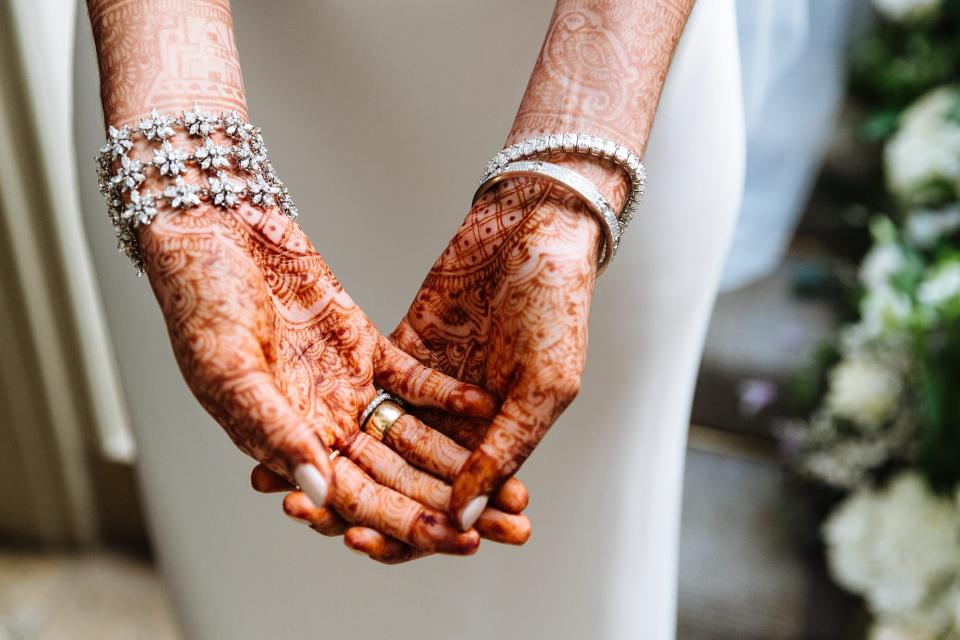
x=601, y=71
x=165, y=54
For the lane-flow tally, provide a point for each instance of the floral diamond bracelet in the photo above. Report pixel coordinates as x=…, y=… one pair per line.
x=230, y=173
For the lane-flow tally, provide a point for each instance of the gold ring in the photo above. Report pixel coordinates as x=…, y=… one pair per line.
x=382, y=418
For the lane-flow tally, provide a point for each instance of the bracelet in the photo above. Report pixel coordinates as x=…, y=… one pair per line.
x=122, y=170
x=595, y=146
x=580, y=186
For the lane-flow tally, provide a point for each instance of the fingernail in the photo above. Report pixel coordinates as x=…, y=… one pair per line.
x=312, y=483
x=472, y=511
x=475, y=399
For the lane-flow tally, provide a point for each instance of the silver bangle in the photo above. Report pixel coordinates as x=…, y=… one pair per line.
x=553, y=144
x=231, y=173
x=381, y=397
x=583, y=188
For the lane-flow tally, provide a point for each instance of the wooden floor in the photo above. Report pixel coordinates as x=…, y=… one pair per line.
x=99, y=596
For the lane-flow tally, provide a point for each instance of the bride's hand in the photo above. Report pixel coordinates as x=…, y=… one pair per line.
x=429, y=450
x=438, y=459
x=505, y=307
x=278, y=353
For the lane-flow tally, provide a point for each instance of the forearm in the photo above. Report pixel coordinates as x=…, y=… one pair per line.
x=600, y=71
x=165, y=54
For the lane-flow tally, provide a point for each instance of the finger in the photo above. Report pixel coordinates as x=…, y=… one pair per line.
x=386, y=467
x=532, y=406
x=434, y=452
x=266, y=481
x=403, y=375
x=379, y=547
x=467, y=432
x=321, y=519
x=390, y=470
x=263, y=423
x=361, y=501
x=406, y=338
x=505, y=528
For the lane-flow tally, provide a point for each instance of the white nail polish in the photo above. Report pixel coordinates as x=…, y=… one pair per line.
x=312, y=483
x=472, y=511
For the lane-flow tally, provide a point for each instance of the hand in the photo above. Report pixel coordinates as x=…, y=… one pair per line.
x=433, y=452
x=505, y=307
x=282, y=358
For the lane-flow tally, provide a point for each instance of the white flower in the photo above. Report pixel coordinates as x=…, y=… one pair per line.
x=907, y=9
x=890, y=630
x=884, y=309
x=225, y=192
x=141, y=209
x=882, y=261
x=925, y=226
x=863, y=390
x=926, y=148
x=940, y=285
x=845, y=465
x=182, y=195
x=170, y=160
x=894, y=546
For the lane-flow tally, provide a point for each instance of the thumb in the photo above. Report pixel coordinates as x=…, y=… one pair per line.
x=531, y=407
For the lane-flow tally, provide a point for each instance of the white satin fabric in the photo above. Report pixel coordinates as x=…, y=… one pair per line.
x=379, y=116
x=793, y=71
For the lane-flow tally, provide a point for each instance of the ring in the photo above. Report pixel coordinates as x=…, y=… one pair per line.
x=381, y=397
x=380, y=415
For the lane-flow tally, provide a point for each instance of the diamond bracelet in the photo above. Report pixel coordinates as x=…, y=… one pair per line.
x=122, y=169
x=582, y=187
x=553, y=144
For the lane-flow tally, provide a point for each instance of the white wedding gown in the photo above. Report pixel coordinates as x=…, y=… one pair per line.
x=380, y=116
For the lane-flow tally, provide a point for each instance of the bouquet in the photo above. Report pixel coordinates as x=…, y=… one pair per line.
x=885, y=434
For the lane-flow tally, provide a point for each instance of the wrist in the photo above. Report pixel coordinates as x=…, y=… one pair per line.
x=155, y=53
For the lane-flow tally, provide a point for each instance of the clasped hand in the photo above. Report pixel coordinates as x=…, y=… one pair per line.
x=489, y=354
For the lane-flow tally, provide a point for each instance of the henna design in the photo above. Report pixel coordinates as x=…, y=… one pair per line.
x=506, y=304
x=601, y=69
x=433, y=452
x=266, y=338
x=165, y=54
x=505, y=307
x=389, y=469
x=283, y=359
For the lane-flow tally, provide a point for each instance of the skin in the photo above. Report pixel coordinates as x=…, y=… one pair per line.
x=504, y=307
x=506, y=304
x=264, y=335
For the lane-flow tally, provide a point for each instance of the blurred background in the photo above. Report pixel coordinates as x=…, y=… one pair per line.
x=821, y=486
